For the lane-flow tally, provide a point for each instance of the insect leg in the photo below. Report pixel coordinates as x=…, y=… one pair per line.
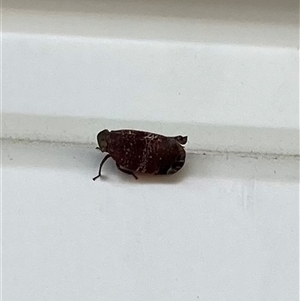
x=126, y=171
x=101, y=164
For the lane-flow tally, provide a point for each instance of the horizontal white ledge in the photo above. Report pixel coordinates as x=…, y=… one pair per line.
x=270, y=23
x=225, y=75
x=85, y=159
x=155, y=81
x=202, y=137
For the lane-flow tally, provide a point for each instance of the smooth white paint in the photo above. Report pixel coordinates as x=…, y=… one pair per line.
x=150, y=80
x=201, y=65
x=224, y=228
x=225, y=74
x=201, y=137
x=250, y=22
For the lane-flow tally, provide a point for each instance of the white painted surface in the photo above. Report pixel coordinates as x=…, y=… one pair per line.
x=202, y=137
x=226, y=74
x=225, y=228
x=149, y=80
x=196, y=66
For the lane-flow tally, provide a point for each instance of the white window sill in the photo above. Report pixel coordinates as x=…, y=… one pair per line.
x=226, y=226
x=226, y=75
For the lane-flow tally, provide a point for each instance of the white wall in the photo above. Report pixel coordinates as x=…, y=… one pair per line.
x=225, y=227
x=226, y=74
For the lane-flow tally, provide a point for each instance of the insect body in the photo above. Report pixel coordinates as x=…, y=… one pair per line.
x=142, y=151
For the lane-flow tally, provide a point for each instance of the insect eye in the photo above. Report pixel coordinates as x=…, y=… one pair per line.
x=102, y=140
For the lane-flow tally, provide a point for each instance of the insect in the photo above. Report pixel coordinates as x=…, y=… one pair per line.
x=142, y=152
